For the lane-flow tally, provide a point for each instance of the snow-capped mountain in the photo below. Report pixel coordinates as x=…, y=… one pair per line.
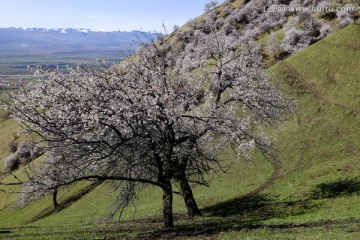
x=67, y=38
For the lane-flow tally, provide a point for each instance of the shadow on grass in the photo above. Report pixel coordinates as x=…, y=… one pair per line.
x=212, y=229
x=346, y=187
x=242, y=213
x=259, y=207
x=245, y=212
x=65, y=204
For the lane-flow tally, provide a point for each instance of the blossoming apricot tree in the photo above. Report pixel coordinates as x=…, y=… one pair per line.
x=149, y=121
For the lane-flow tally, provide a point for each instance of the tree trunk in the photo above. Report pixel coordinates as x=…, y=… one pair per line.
x=167, y=204
x=55, y=198
x=190, y=203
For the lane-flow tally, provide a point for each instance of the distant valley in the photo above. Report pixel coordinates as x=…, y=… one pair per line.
x=57, y=48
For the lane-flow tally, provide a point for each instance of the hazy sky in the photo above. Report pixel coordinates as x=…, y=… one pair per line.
x=146, y=15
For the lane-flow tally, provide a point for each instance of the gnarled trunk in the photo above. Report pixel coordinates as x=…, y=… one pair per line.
x=167, y=204
x=190, y=203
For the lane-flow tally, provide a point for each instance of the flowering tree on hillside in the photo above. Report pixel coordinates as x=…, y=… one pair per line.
x=147, y=121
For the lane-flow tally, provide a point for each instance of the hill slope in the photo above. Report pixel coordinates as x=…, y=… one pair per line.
x=311, y=193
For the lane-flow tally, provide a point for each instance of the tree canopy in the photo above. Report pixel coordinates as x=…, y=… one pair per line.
x=151, y=119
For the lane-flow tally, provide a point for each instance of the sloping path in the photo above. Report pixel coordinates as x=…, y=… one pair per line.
x=270, y=181
x=298, y=80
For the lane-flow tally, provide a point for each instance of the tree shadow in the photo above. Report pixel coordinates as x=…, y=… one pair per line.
x=345, y=187
x=66, y=203
x=240, y=206
x=245, y=212
x=212, y=227
x=260, y=207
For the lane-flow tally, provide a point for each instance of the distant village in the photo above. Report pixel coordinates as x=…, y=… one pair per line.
x=13, y=81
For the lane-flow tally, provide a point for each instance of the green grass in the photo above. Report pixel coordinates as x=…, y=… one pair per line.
x=327, y=231
x=322, y=144
x=96, y=209
x=316, y=194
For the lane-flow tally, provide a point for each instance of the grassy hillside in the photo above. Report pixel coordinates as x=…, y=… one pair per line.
x=312, y=191
x=319, y=180
x=322, y=143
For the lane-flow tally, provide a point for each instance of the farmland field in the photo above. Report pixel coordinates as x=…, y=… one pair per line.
x=16, y=62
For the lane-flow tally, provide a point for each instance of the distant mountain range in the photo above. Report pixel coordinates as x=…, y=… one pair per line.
x=23, y=47
x=68, y=38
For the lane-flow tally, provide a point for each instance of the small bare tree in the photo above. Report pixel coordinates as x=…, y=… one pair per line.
x=210, y=5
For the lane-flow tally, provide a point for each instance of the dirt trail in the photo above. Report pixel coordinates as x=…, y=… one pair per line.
x=270, y=181
x=296, y=79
